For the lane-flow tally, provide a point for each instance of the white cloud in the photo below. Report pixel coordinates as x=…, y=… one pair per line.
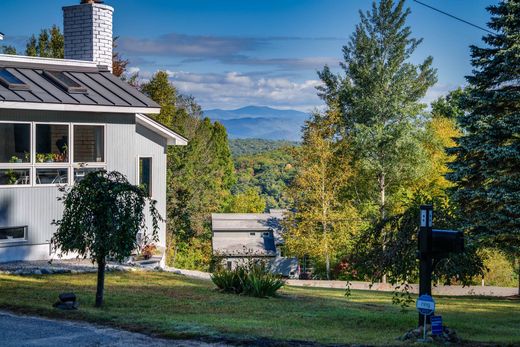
x=235, y=89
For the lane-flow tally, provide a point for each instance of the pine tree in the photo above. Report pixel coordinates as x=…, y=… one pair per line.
x=486, y=171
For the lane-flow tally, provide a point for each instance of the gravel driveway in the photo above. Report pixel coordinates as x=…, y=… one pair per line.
x=21, y=331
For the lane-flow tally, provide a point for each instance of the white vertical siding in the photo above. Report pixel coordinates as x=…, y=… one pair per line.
x=36, y=207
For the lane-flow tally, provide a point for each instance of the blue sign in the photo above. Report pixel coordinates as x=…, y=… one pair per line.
x=425, y=305
x=436, y=322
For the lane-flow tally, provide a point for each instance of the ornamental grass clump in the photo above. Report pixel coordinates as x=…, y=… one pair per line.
x=252, y=279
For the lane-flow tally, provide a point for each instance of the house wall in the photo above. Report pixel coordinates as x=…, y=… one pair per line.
x=36, y=207
x=241, y=241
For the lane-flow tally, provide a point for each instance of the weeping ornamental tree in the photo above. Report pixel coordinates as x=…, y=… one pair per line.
x=486, y=170
x=102, y=215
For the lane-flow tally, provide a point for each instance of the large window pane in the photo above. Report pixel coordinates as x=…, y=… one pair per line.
x=11, y=177
x=15, y=143
x=52, y=143
x=89, y=144
x=145, y=175
x=52, y=176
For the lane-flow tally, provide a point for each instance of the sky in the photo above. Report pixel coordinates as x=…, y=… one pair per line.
x=235, y=53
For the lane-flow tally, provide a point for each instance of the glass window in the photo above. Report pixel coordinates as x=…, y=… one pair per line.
x=12, y=82
x=52, y=176
x=89, y=144
x=80, y=173
x=65, y=82
x=15, y=143
x=10, y=177
x=17, y=233
x=52, y=143
x=145, y=175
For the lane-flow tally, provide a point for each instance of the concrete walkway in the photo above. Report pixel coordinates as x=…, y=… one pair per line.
x=22, y=331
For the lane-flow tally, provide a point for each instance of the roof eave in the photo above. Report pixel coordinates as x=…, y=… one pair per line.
x=173, y=139
x=13, y=105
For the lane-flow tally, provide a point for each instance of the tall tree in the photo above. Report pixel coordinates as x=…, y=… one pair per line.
x=486, y=171
x=49, y=44
x=379, y=96
x=200, y=174
x=320, y=225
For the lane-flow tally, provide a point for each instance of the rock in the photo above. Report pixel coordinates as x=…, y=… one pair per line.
x=37, y=272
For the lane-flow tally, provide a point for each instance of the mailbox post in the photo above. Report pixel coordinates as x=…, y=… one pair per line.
x=425, y=256
x=433, y=244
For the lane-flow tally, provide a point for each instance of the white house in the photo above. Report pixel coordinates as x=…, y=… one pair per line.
x=60, y=119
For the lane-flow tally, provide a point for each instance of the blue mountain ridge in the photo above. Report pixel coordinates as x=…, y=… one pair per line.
x=260, y=122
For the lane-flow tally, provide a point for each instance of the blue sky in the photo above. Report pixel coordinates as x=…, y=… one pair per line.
x=232, y=53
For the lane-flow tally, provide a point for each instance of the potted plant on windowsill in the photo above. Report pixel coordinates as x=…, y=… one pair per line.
x=49, y=158
x=15, y=159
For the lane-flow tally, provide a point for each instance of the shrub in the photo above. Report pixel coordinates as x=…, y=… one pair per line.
x=253, y=279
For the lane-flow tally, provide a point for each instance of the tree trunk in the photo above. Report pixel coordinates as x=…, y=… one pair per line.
x=100, y=281
x=327, y=265
x=382, y=213
x=518, y=260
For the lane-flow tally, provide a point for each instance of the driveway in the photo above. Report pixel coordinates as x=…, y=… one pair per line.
x=17, y=330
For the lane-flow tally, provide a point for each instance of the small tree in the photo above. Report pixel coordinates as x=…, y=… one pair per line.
x=102, y=215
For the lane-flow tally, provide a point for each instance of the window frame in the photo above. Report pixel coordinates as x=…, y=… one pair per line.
x=25, y=235
x=138, y=176
x=69, y=165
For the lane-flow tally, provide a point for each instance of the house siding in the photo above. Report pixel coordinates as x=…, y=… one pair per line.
x=37, y=207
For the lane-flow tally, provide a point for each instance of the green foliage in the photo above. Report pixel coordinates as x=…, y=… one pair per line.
x=200, y=174
x=102, y=215
x=321, y=224
x=379, y=98
x=247, y=202
x=499, y=269
x=8, y=50
x=49, y=44
x=248, y=147
x=485, y=171
x=267, y=172
x=252, y=279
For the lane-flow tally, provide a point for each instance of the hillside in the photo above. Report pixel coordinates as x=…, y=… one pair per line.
x=260, y=122
x=240, y=147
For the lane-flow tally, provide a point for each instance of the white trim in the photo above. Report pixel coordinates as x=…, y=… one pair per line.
x=13, y=105
x=173, y=138
x=47, y=61
x=138, y=176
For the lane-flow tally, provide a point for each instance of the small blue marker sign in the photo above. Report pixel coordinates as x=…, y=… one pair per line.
x=436, y=322
x=425, y=305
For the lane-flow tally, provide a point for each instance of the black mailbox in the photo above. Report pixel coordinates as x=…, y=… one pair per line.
x=440, y=242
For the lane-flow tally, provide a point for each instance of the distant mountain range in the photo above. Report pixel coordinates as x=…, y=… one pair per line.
x=260, y=122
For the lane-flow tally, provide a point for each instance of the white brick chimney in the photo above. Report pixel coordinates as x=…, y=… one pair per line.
x=87, y=29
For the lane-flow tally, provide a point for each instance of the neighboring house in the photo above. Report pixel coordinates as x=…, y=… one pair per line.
x=242, y=237
x=59, y=120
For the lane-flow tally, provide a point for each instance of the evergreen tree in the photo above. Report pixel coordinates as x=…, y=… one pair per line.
x=486, y=171
x=49, y=44
x=200, y=174
x=8, y=50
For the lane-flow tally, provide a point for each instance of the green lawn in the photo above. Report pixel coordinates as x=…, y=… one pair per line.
x=174, y=306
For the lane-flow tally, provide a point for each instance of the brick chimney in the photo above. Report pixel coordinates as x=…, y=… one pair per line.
x=87, y=28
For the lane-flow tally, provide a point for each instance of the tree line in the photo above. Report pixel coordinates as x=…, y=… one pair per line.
x=376, y=153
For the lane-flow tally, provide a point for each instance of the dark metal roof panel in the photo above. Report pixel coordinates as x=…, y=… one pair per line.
x=104, y=89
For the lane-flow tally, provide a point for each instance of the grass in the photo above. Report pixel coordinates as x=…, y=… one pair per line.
x=173, y=306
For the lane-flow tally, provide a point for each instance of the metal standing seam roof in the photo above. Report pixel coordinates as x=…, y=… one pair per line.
x=103, y=88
